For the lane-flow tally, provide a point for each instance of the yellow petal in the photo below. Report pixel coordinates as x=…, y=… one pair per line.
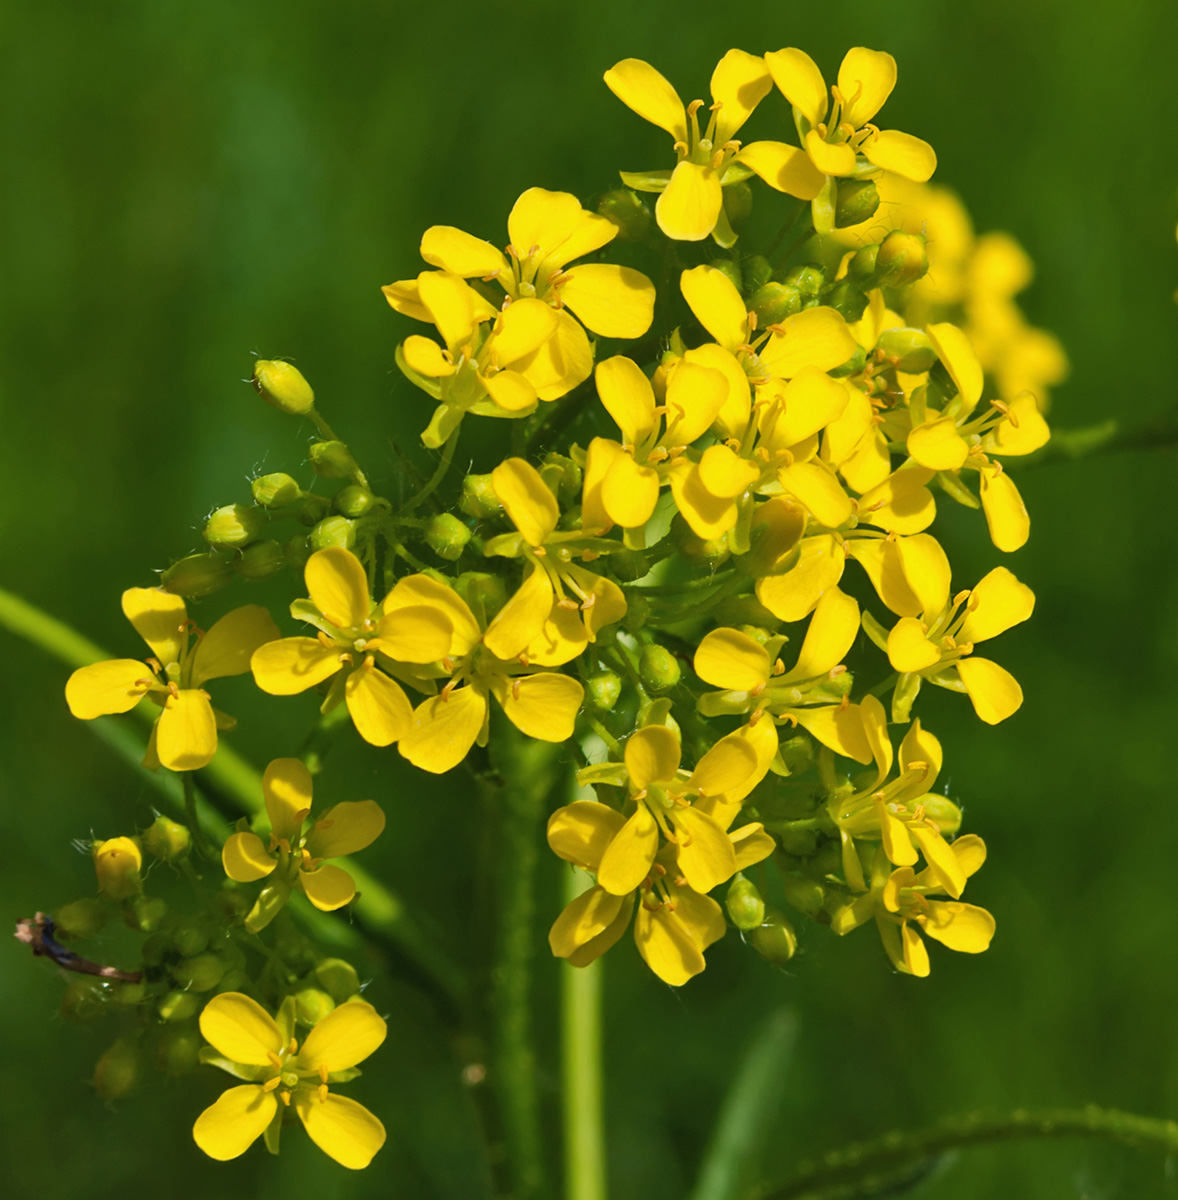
x=338, y=587
x=848, y=430
x=287, y=786
x=628, y=858
x=909, y=649
x=971, y=853
x=723, y=768
x=915, y=954
x=228, y=645
x=378, y=706
x=730, y=659
x=926, y=570
x=327, y=887
x=452, y=305
x=833, y=628
x=591, y=913
x=954, y=350
x=186, y=733
x=562, y=362
x=784, y=168
x=581, y=831
x=600, y=459
x=752, y=845
x=814, y=485
x=114, y=686
x=705, y=854
x=829, y=158
x=543, y=706
x=815, y=337
x=554, y=226
x=529, y=503
x=733, y=417
x=937, y=445
x=240, y=1029
x=510, y=391
x=942, y=862
x=245, y=858
x=416, y=633
x=921, y=746
x=444, y=728
x=343, y=1038
x=595, y=947
x=866, y=79
x=792, y=596
x=628, y=397
x=694, y=396
x=613, y=301
x=810, y=401
x=405, y=297
x=902, y=503
x=1006, y=514
x=669, y=940
x=884, y=567
x=230, y=1126
x=724, y=473
x=997, y=604
x=709, y=516
x=839, y=728
x=897, y=845
x=521, y=620
x=641, y=88
x=690, y=205
x=1022, y=431
x=523, y=327
x=963, y=927
x=875, y=729
x=341, y=1128
x=462, y=253
x=739, y=83
x=609, y=601
x=800, y=81
x=291, y=665
x=416, y=590
x=426, y=357
x=562, y=636
x=346, y=828
x=717, y=305
x=629, y=493
x=901, y=152
x=652, y=756
x=160, y=619
x=994, y=691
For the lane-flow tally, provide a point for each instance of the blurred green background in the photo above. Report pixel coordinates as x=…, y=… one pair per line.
x=185, y=185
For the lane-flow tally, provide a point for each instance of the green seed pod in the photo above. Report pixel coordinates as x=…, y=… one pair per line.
x=478, y=497
x=857, y=201
x=773, y=302
x=312, y=1005
x=331, y=460
x=128, y=995
x=312, y=509
x=297, y=551
x=482, y=591
x=190, y=938
x=775, y=941
x=197, y=575
x=282, y=385
x=337, y=978
x=275, y=491
x=234, y=526
x=912, y=349
x=604, y=689
x=806, y=895
x=178, y=1006
x=84, y=1000
x=177, y=1051
x=730, y=269
x=260, y=560
x=447, y=536
x=745, y=905
x=333, y=531
x=738, y=203
x=861, y=268
x=846, y=298
x=167, y=840
x=79, y=919
x=116, y=863
x=353, y=501
x=117, y=1070
x=626, y=210
x=145, y=913
x=902, y=259
x=200, y=973
x=809, y=279
x=659, y=668
x=755, y=272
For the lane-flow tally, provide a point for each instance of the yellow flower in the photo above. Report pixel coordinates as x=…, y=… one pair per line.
x=691, y=205
x=184, y=737
x=293, y=857
x=355, y=639
x=250, y=1045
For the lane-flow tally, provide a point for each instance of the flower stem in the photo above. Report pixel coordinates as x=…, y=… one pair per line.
x=584, y=1129
x=867, y=1168
x=200, y=842
x=438, y=475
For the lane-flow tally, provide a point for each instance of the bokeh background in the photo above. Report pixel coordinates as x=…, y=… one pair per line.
x=187, y=184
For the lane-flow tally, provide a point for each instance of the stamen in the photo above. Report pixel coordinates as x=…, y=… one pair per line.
x=271, y=1084
x=323, y=1093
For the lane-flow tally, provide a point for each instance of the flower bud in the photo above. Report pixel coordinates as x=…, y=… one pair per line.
x=178, y=1006
x=275, y=491
x=773, y=302
x=637, y=612
x=155, y=948
x=312, y=509
x=852, y=366
x=857, y=201
x=628, y=565
x=604, y=689
x=744, y=903
x=177, y=1051
x=482, y=592
x=260, y=560
x=943, y=812
x=190, y=938
x=333, y=531
x=200, y=973
x=282, y=385
x=312, y=1005
x=775, y=941
x=145, y=913
x=902, y=259
x=848, y=300
x=117, y=1070
x=700, y=553
x=478, y=497
x=861, y=268
x=806, y=895
x=234, y=526
x=446, y=535
x=755, y=272
x=83, y=1000
x=626, y=210
x=116, y=863
x=79, y=919
x=809, y=279
x=738, y=203
x=331, y=460
x=197, y=575
x=353, y=501
x=297, y=551
x=912, y=349
x=798, y=754
x=776, y=530
x=800, y=842
x=337, y=978
x=659, y=668
x=166, y=839
x=730, y=269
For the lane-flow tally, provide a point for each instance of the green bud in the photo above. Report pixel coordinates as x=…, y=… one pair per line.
x=447, y=536
x=117, y=1070
x=275, y=491
x=775, y=941
x=604, y=689
x=798, y=754
x=200, y=973
x=178, y=1006
x=626, y=210
x=197, y=575
x=861, y=268
x=295, y=950
x=799, y=842
x=902, y=259
x=260, y=560
x=331, y=460
x=755, y=272
x=145, y=913
x=637, y=613
x=337, y=978
x=809, y=279
x=910, y=347
x=629, y=565
x=354, y=501
x=190, y=938
x=773, y=302
x=167, y=839
x=79, y=919
x=853, y=365
x=233, y=903
x=483, y=592
x=738, y=203
x=774, y=534
x=297, y=551
x=116, y=863
x=128, y=995
x=857, y=201
x=827, y=861
x=806, y=895
x=177, y=1051
x=313, y=509
x=478, y=497
x=659, y=668
x=234, y=526
x=83, y=1000
x=333, y=531
x=730, y=269
x=232, y=981
x=268, y=905
x=697, y=551
x=847, y=299
x=744, y=903
x=942, y=811
x=312, y=1005
x=156, y=948
x=282, y=385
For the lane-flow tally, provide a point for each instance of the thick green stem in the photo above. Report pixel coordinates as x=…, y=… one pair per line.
x=438, y=475
x=200, y=842
x=866, y=1168
x=581, y=1077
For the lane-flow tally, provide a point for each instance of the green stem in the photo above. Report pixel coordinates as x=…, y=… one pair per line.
x=584, y=1123
x=439, y=474
x=200, y=842
x=866, y=1168
x=557, y=417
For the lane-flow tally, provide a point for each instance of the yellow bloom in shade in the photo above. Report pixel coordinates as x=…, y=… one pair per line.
x=355, y=640
x=691, y=204
x=294, y=858
x=184, y=737
x=249, y=1044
